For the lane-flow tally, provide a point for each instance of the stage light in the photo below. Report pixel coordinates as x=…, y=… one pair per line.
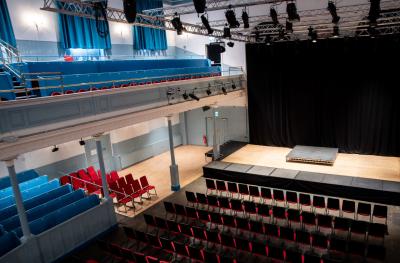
x=231, y=18
x=274, y=16
x=55, y=149
x=206, y=108
x=230, y=44
x=177, y=24
x=332, y=10
x=289, y=26
x=291, y=10
x=193, y=96
x=336, y=31
x=206, y=24
x=227, y=32
x=185, y=96
x=245, y=19
x=267, y=40
x=312, y=34
x=82, y=142
x=374, y=11
x=224, y=90
x=208, y=91
x=233, y=85
x=200, y=6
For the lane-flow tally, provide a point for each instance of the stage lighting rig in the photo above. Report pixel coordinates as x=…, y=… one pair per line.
x=245, y=19
x=289, y=26
x=332, y=9
x=374, y=11
x=291, y=10
x=312, y=33
x=206, y=24
x=227, y=32
x=274, y=16
x=177, y=24
x=231, y=18
x=200, y=6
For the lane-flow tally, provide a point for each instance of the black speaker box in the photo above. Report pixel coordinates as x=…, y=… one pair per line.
x=130, y=10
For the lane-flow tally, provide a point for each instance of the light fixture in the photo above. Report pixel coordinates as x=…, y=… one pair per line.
x=200, y=6
x=289, y=26
x=206, y=108
x=82, y=142
x=332, y=10
x=230, y=44
x=177, y=24
x=224, y=90
x=193, y=96
x=291, y=10
x=274, y=16
x=185, y=96
x=267, y=40
x=55, y=149
x=312, y=34
x=206, y=24
x=336, y=31
x=374, y=11
x=233, y=85
x=245, y=18
x=227, y=32
x=231, y=18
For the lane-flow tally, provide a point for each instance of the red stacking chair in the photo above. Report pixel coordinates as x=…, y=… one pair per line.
x=84, y=176
x=128, y=190
x=77, y=183
x=114, y=175
x=121, y=182
x=122, y=199
x=99, y=183
x=137, y=189
x=65, y=180
x=92, y=188
x=69, y=92
x=146, y=186
x=129, y=179
x=92, y=173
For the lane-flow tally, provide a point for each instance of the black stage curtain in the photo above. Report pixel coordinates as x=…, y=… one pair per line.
x=335, y=93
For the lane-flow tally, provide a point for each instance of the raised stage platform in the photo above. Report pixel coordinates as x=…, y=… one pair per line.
x=312, y=155
x=363, y=189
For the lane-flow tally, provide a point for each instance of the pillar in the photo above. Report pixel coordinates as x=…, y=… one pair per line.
x=215, y=133
x=18, y=200
x=173, y=168
x=99, y=149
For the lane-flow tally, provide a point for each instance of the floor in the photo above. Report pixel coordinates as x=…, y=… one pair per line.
x=368, y=166
x=190, y=159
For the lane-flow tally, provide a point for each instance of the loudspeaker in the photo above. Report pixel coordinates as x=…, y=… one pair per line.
x=200, y=6
x=130, y=10
x=214, y=50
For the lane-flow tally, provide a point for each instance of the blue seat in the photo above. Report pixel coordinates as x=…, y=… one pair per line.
x=25, y=185
x=44, y=209
x=32, y=192
x=35, y=201
x=6, y=84
x=61, y=215
x=22, y=177
x=8, y=241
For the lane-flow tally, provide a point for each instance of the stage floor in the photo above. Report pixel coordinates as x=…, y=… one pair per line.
x=367, y=166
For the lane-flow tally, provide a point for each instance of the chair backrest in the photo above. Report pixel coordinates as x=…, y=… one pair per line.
x=129, y=179
x=144, y=182
x=169, y=207
x=191, y=197
x=65, y=180
x=127, y=189
x=121, y=182
x=114, y=175
x=92, y=173
x=136, y=186
x=83, y=175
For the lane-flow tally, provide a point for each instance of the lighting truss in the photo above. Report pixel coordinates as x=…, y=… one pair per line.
x=83, y=9
x=212, y=5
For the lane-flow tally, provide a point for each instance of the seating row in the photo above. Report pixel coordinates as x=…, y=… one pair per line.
x=60, y=215
x=6, y=84
x=22, y=177
x=43, y=209
x=11, y=210
x=8, y=241
x=24, y=185
x=29, y=193
x=300, y=199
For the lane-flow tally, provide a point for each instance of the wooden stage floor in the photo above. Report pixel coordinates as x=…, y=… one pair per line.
x=368, y=166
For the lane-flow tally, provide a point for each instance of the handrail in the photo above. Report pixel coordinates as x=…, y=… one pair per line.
x=8, y=55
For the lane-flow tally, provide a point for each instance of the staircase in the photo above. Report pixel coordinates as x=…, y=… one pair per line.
x=11, y=62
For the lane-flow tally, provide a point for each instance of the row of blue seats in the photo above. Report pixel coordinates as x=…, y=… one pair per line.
x=142, y=76
x=8, y=241
x=44, y=209
x=60, y=215
x=33, y=202
x=82, y=67
x=6, y=84
x=29, y=193
x=22, y=177
x=25, y=185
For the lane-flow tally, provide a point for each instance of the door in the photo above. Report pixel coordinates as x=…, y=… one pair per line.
x=222, y=130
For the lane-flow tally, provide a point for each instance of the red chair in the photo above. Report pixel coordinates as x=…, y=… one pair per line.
x=122, y=199
x=65, y=180
x=69, y=92
x=137, y=189
x=114, y=175
x=93, y=189
x=121, y=182
x=93, y=89
x=81, y=90
x=129, y=179
x=146, y=186
x=92, y=173
x=84, y=176
x=128, y=190
x=77, y=183
x=55, y=93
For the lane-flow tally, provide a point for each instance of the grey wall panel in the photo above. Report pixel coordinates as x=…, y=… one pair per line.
x=66, y=166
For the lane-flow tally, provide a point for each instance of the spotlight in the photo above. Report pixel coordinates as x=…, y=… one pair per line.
x=374, y=11
x=200, y=6
x=185, y=96
x=233, y=85
x=208, y=92
x=227, y=31
x=289, y=26
x=193, y=96
x=332, y=10
x=206, y=108
x=231, y=18
x=177, y=24
x=291, y=10
x=312, y=34
x=245, y=18
x=336, y=31
x=206, y=24
x=224, y=90
x=230, y=44
x=82, y=142
x=55, y=149
x=267, y=40
x=274, y=16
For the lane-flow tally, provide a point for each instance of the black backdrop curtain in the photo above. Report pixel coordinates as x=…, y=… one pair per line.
x=335, y=93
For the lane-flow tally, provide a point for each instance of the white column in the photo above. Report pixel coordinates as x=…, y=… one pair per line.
x=99, y=149
x=18, y=200
x=175, y=186
x=215, y=140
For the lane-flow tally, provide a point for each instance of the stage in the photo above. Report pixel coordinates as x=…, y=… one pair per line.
x=366, y=166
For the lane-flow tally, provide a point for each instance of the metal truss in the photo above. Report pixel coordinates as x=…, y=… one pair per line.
x=212, y=5
x=83, y=9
